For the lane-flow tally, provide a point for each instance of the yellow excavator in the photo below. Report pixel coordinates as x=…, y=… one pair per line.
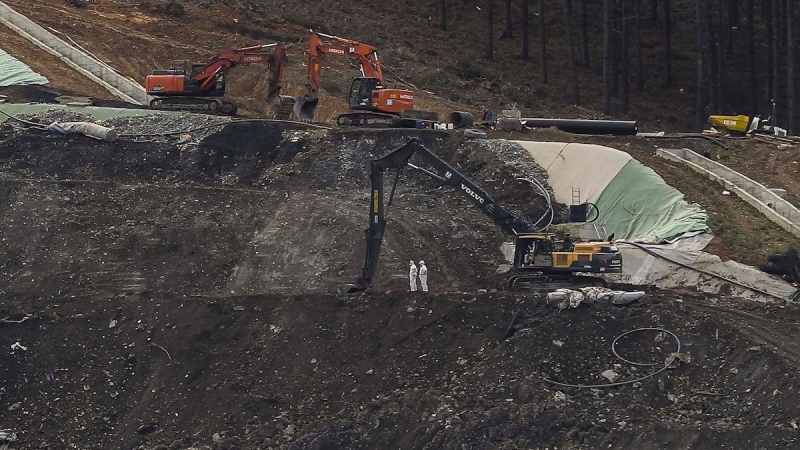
x=539, y=261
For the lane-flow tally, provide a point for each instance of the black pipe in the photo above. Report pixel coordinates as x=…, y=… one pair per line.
x=460, y=119
x=580, y=126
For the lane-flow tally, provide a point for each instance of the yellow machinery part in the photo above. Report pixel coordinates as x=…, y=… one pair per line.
x=731, y=123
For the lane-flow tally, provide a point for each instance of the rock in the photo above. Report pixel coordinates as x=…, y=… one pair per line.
x=496, y=416
x=147, y=428
x=610, y=375
x=216, y=438
x=755, y=348
x=130, y=444
x=289, y=431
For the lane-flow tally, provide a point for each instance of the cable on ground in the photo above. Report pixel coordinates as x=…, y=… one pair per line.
x=666, y=366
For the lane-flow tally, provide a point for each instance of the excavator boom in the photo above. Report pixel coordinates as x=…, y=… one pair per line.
x=443, y=172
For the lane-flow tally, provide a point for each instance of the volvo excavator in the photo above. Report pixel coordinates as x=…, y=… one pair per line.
x=192, y=87
x=538, y=263
x=372, y=101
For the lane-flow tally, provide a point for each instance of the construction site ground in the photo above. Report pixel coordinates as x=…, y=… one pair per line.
x=174, y=292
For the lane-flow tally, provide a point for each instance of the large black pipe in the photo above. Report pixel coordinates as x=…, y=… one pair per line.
x=580, y=126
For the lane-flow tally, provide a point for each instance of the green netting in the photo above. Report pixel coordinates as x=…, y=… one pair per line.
x=14, y=72
x=638, y=205
x=98, y=112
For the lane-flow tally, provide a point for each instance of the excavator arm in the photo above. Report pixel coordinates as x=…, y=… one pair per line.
x=208, y=75
x=442, y=172
x=367, y=56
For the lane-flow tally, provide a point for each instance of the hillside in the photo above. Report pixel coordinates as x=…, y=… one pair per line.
x=448, y=64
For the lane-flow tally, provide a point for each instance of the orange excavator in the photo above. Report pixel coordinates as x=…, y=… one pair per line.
x=193, y=86
x=372, y=102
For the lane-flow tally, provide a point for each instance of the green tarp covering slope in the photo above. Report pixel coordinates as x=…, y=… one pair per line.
x=98, y=112
x=638, y=205
x=14, y=72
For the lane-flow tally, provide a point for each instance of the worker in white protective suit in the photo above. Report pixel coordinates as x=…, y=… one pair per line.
x=412, y=276
x=423, y=276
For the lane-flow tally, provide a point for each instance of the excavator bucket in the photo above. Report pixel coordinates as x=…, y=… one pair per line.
x=304, y=106
x=283, y=106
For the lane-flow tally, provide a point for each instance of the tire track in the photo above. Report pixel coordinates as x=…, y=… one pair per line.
x=781, y=337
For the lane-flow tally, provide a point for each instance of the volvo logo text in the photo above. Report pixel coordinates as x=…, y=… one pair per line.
x=472, y=193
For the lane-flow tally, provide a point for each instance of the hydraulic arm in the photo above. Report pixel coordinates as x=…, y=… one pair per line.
x=442, y=172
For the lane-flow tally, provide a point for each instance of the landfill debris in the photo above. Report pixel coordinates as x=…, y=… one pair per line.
x=112, y=324
x=610, y=375
x=572, y=298
x=676, y=359
x=92, y=130
x=18, y=346
x=7, y=437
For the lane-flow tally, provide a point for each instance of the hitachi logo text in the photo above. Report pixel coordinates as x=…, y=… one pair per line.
x=472, y=193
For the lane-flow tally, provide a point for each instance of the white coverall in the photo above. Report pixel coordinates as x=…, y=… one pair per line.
x=412, y=276
x=423, y=276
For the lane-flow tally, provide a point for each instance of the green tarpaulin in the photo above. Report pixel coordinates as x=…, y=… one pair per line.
x=98, y=112
x=638, y=205
x=14, y=72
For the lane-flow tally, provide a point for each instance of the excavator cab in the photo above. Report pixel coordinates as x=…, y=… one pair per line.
x=360, y=94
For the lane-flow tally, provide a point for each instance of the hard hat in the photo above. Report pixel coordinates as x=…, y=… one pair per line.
x=421, y=262
x=411, y=262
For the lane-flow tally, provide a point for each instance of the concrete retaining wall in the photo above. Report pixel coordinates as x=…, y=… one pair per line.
x=778, y=210
x=97, y=71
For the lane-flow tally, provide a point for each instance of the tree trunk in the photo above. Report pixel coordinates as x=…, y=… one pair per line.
x=508, y=33
x=710, y=40
x=573, y=65
x=626, y=83
x=606, y=57
x=584, y=35
x=639, y=63
x=490, y=29
x=700, y=116
x=790, y=61
x=525, y=35
x=668, y=43
x=751, y=53
x=766, y=11
x=615, y=48
x=733, y=24
x=776, y=57
x=442, y=15
x=542, y=43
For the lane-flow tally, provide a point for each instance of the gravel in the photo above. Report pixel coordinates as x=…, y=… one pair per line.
x=138, y=128
x=519, y=160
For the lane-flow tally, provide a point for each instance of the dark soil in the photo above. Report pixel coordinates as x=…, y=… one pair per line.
x=388, y=371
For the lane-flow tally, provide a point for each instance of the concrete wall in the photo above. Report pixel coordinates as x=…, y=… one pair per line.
x=97, y=71
x=780, y=211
